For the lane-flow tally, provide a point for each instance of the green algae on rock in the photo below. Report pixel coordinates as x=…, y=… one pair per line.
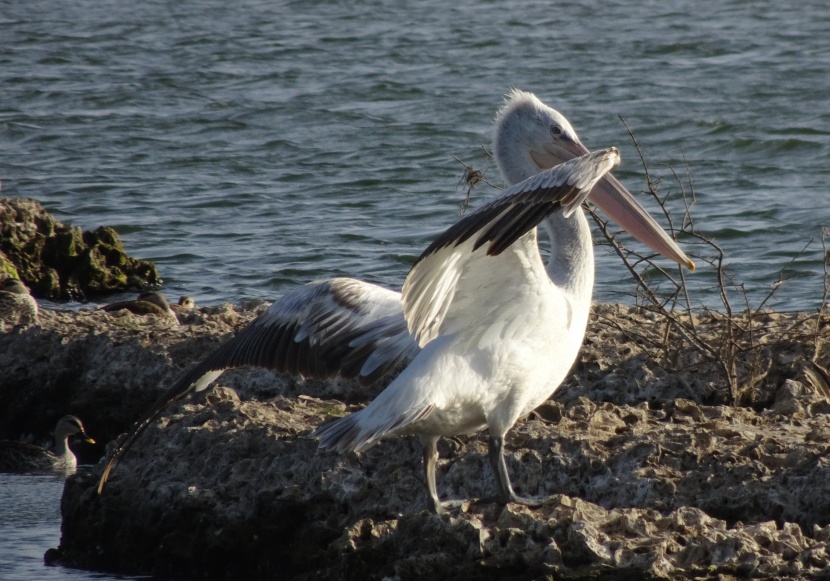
x=60, y=262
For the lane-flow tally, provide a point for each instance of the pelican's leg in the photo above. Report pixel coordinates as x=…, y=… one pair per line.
x=430, y=460
x=504, y=491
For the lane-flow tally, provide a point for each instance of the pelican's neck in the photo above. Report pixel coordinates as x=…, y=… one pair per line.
x=571, y=263
x=514, y=161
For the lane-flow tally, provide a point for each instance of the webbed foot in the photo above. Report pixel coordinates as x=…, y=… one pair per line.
x=446, y=506
x=534, y=502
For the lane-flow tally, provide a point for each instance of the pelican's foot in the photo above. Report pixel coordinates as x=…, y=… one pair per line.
x=535, y=502
x=504, y=491
x=446, y=506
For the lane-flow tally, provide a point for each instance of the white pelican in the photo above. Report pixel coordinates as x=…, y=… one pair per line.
x=23, y=457
x=490, y=330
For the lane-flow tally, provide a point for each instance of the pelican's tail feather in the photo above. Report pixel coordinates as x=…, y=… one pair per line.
x=358, y=432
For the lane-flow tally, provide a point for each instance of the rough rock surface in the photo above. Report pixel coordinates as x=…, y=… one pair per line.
x=59, y=261
x=106, y=368
x=657, y=474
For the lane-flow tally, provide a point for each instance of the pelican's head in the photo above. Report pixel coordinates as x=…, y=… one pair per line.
x=531, y=137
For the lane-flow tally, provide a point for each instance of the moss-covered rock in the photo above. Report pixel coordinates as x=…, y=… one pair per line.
x=7, y=267
x=59, y=261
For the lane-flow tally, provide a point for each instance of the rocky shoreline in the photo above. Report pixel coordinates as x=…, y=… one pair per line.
x=657, y=474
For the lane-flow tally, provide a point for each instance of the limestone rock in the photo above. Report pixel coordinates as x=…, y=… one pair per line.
x=230, y=488
x=654, y=476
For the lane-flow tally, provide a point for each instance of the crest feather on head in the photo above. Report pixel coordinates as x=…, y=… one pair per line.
x=517, y=98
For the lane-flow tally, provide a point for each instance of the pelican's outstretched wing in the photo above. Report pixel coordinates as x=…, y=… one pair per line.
x=322, y=329
x=339, y=326
x=482, y=248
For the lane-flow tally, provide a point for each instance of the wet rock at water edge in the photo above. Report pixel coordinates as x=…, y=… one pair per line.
x=60, y=262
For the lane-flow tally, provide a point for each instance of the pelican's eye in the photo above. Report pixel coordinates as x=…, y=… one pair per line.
x=555, y=130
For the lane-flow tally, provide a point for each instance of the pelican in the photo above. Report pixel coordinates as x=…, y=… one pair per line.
x=488, y=329
x=146, y=303
x=23, y=457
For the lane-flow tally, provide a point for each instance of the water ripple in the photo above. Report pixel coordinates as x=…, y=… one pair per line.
x=255, y=146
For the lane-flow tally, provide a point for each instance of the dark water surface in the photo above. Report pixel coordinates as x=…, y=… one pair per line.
x=29, y=526
x=247, y=147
